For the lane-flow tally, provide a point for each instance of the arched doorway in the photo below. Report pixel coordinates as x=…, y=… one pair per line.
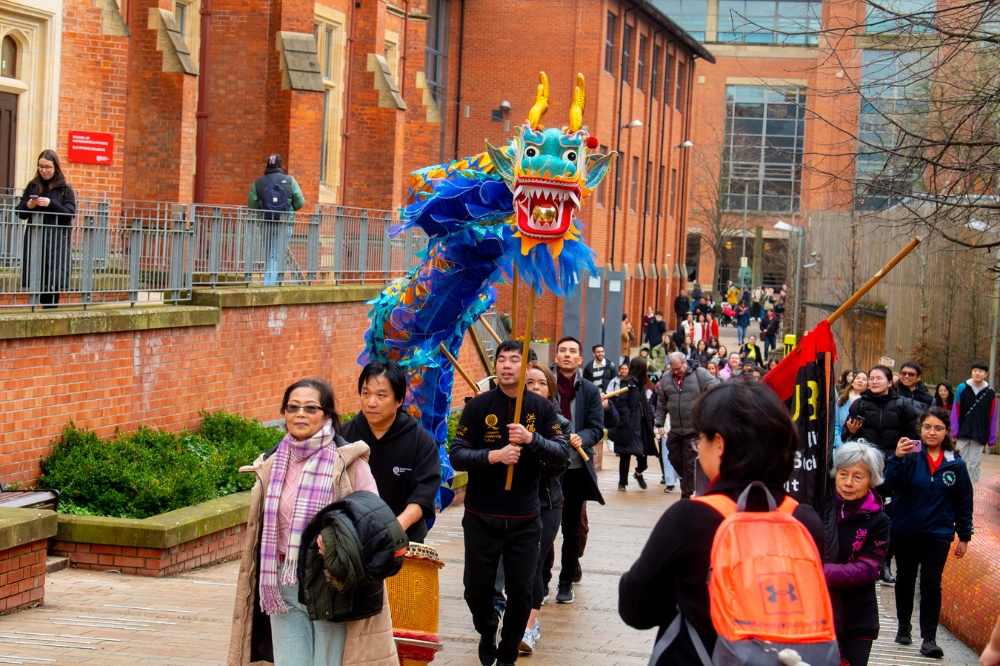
x=8, y=114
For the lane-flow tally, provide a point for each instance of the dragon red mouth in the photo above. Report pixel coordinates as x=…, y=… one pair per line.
x=545, y=208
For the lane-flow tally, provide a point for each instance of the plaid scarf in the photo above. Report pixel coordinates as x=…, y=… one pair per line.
x=315, y=492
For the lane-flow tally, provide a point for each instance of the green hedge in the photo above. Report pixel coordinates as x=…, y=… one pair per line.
x=148, y=472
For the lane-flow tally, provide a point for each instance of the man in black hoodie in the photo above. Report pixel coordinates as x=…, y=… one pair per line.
x=910, y=386
x=498, y=521
x=404, y=457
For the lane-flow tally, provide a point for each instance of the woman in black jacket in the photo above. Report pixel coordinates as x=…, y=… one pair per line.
x=634, y=434
x=47, y=238
x=862, y=539
x=746, y=435
x=880, y=416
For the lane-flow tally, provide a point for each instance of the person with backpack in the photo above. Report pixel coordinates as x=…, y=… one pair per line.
x=862, y=538
x=275, y=194
x=933, y=503
x=745, y=436
x=974, y=418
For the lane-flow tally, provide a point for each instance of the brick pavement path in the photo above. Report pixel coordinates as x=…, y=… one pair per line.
x=110, y=620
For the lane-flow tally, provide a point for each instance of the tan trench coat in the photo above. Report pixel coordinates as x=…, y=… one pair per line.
x=369, y=641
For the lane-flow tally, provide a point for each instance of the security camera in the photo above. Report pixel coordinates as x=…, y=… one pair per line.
x=505, y=106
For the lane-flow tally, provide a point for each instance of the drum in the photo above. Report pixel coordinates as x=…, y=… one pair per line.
x=414, y=601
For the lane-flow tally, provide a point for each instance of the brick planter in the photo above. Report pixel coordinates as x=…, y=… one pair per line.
x=163, y=545
x=24, y=535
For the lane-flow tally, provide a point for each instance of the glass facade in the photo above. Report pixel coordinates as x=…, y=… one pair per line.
x=900, y=16
x=692, y=15
x=769, y=21
x=437, y=59
x=893, y=95
x=762, y=155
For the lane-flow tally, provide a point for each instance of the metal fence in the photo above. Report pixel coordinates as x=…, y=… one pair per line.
x=133, y=252
x=108, y=252
x=332, y=245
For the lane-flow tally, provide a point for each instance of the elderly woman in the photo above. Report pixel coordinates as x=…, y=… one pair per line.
x=862, y=537
x=932, y=495
x=732, y=367
x=746, y=435
x=310, y=468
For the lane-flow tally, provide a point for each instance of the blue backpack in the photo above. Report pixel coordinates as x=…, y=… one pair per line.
x=272, y=196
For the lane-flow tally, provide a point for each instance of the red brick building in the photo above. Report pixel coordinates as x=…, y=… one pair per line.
x=195, y=94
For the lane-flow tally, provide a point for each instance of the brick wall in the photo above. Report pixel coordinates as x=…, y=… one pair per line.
x=213, y=548
x=162, y=378
x=92, y=90
x=22, y=576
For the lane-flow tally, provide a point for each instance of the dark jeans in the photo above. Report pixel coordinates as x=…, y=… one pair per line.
x=682, y=451
x=770, y=343
x=574, y=483
x=625, y=461
x=930, y=558
x=855, y=651
x=551, y=518
x=486, y=539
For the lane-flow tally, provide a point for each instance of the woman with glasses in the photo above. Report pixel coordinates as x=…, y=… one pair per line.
x=932, y=495
x=309, y=469
x=48, y=204
x=880, y=416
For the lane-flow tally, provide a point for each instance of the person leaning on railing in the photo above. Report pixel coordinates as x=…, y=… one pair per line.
x=274, y=174
x=47, y=238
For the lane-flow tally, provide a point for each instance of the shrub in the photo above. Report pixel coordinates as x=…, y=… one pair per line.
x=147, y=472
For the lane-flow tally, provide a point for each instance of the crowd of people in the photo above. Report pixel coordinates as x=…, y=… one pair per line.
x=901, y=488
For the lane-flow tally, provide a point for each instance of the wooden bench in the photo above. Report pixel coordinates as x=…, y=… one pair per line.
x=30, y=499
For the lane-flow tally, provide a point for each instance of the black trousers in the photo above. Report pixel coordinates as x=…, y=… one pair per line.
x=930, y=558
x=551, y=518
x=625, y=461
x=574, y=483
x=682, y=451
x=486, y=539
x=855, y=651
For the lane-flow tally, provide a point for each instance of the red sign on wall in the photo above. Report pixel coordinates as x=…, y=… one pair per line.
x=91, y=147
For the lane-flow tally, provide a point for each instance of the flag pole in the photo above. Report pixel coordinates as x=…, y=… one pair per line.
x=860, y=293
x=524, y=370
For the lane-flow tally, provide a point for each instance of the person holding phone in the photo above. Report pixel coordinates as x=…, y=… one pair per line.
x=47, y=240
x=933, y=502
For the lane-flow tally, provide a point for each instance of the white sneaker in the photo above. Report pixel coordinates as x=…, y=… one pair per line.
x=527, y=645
x=537, y=630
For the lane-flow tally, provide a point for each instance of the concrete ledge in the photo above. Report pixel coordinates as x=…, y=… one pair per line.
x=21, y=526
x=288, y=295
x=163, y=531
x=51, y=323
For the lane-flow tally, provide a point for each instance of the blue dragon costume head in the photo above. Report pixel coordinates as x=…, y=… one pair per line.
x=513, y=208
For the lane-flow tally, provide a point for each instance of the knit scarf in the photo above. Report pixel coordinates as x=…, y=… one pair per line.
x=315, y=492
x=567, y=392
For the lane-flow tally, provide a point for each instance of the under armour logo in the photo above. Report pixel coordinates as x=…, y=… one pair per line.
x=774, y=593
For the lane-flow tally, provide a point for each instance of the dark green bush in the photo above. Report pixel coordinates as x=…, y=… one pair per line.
x=147, y=472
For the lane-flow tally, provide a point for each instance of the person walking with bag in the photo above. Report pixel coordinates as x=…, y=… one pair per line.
x=48, y=237
x=275, y=194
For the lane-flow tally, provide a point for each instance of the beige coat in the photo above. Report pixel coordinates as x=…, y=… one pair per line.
x=369, y=642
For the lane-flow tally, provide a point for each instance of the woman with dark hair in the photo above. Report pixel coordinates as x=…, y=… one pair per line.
x=701, y=354
x=309, y=469
x=746, y=435
x=932, y=499
x=857, y=385
x=276, y=193
x=944, y=395
x=880, y=416
x=846, y=377
x=633, y=436
x=47, y=238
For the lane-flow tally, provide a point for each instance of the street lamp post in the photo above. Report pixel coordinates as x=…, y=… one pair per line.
x=784, y=226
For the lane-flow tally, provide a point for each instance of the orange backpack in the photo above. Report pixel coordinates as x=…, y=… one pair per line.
x=766, y=588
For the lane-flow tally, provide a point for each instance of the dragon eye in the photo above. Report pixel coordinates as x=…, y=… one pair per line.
x=570, y=155
x=530, y=151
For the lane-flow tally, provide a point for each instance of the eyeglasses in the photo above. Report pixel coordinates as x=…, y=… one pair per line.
x=927, y=427
x=907, y=374
x=46, y=168
x=308, y=409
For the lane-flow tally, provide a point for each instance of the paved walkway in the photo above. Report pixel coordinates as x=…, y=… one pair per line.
x=112, y=620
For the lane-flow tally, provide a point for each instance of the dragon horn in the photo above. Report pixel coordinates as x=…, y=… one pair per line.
x=579, y=102
x=541, y=103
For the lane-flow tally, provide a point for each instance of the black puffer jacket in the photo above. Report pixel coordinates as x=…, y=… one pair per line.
x=887, y=418
x=550, y=492
x=364, y=544
x=920, y=398
x=634, y=433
